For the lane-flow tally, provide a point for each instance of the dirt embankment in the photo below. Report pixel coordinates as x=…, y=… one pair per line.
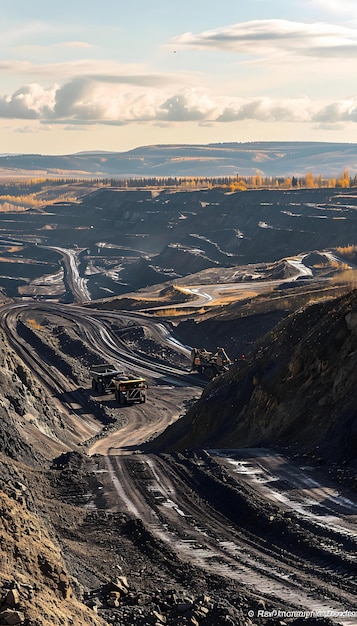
x=236, y=335
x=296, y=389
x=35, y=585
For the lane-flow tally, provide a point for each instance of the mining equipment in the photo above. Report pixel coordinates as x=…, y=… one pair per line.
x=130, y=390
x=103, y=376
x=210, y=364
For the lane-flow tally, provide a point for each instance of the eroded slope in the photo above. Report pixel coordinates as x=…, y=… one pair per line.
x=297, y=388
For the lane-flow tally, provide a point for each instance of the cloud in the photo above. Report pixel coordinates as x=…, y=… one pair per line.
x=75, y=99
x=341, y=111
x=30, y=129
x=15, y=32
x=192, y=105
x=101, y=70
x=143, y=80
x=84, y=101
x=344, y=8
x=268, y=110
x=15, y=67
x=28, y=102
x=259, y=37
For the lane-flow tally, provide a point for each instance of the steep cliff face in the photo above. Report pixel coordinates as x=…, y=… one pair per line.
x=296, y=389
x=35, y=586
x=34, y=578
x=29, y=418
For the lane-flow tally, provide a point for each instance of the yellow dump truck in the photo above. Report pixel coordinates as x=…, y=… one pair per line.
x=130, y=390
x=103, y=376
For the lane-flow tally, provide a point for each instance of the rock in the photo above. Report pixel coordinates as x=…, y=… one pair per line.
x=202, y=611
x=351, y=321
x=143, y=598
x=204, y=599
x=63, y=585
x=119, y=584
x=113, y=602
x=12, y=598
x=123, y=580
x=161, y=619
x=183, y=607
x=11, y=617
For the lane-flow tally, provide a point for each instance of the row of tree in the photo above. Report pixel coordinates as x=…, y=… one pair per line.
x=33, y=185
x=235, y=183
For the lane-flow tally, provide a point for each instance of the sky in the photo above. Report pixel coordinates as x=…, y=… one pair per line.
x=81, y=75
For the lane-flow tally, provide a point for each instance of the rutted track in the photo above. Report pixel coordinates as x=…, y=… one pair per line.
x=184, y=504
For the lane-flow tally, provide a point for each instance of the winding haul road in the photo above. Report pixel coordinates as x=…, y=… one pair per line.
x=77, y=285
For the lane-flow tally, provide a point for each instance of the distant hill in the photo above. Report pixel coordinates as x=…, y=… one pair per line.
x=219, y=159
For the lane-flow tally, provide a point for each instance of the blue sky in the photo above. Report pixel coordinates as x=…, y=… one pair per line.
x=87, y=75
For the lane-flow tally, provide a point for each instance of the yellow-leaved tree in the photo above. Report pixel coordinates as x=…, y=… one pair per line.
x=344, y=181
x=309, y=180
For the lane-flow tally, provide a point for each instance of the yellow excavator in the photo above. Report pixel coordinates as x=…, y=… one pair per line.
x=209, y=364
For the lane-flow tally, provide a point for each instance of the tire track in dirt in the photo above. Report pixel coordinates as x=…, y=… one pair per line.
x=150, y=490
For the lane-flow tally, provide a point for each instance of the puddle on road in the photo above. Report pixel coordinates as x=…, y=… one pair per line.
x=319, y=510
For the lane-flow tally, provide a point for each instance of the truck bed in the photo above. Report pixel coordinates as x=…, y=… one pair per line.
x=105, y=369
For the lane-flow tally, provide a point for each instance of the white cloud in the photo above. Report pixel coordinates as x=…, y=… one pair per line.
x=28, y=102
x=259, y=37
x=143, y=80
x=30, y=129
x=190, y=105
x=342, y=8
x=268, y=110
x=86, y=101
x=15, y=67
x=341, y=111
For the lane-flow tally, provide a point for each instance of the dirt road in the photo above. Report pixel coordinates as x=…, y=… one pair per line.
x=208, y=514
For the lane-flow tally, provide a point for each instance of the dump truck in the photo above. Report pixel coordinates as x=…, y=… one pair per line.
x=210, y=364
x=103, y=376
x=130, y=390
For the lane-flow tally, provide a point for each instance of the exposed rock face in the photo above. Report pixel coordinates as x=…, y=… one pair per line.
x=297, y=389
x=236, y=334
x=35, y=586
x=29, y=415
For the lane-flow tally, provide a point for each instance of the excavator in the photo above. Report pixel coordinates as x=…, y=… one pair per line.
x=210, y=364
